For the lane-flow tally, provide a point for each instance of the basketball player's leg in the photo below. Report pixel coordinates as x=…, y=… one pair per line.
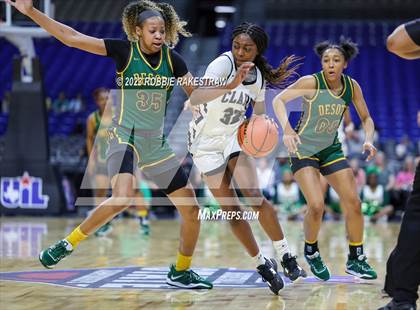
x=174, y=183
x=101, y=188
x=242, y=167
x=308, y=179
x=102, y=185
x=219, y=183
x=344, y=183
x=122, y=194
x=405, y=40
x=244, y=172
x=121, y=167
x=307, y=176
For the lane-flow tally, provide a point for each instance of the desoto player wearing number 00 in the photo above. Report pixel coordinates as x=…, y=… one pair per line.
x=314, y=148
x=216, y=153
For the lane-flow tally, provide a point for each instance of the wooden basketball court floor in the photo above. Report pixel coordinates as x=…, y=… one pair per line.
x=23, y=237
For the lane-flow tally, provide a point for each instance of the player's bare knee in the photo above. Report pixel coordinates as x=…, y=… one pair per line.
x=190, y=213
x=123, y=197
x=316, y=208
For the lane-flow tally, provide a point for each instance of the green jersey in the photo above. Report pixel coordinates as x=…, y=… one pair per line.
x=322, y=115
x=144, y=96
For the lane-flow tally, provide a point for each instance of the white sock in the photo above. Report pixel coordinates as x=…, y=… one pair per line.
x=259, y=259
x=281, y=247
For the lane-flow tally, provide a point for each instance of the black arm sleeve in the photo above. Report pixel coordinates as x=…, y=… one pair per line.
x=180, y=67
x=119, y=51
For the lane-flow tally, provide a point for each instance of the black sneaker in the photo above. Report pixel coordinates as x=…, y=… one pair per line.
x=269, y=274
x=291, y=268
x=393, y=305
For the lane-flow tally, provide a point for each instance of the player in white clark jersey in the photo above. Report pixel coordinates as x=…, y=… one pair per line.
x=213, y=140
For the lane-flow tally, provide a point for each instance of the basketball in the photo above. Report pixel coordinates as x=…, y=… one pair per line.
x=258, y=136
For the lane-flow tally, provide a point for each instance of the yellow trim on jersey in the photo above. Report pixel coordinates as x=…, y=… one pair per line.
x=157, y=162
x=145, y=60
x=332, y=162
x=170, y=60
x=310, y=105
x=330, y=91
x=127, y=143
x=308, y=157
x=351, y=87
x=129, y=60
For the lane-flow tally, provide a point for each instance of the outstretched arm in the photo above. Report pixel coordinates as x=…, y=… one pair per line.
x=61, y=32
x=305, y=86
x=402, y=44
x=205, y=94
x=367, y=122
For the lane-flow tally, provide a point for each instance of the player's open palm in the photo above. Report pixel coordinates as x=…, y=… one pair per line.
x=23, y=6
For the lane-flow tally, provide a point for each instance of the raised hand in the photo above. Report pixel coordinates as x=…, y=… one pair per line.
x=23, y=6
x=241, y=74
x=367, y=146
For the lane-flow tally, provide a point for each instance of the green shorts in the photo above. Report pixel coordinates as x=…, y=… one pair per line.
x=152, y=151
x=329, y=160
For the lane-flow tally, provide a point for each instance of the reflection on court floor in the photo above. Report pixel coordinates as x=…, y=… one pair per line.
x=128, y=269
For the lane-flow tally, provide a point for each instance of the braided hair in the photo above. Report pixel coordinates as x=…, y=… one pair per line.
x=346, y=46
x=173, y=25
x=275, y=76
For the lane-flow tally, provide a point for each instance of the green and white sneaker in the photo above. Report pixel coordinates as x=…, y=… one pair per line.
x=360, y=268
x=318, y=268
x=144, y=225
x=187, y=279
x=55, y=253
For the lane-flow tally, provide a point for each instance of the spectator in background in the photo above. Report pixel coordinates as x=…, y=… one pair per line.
x=76, y=104
x=281, y=165
x=60, y=104
x=404, y=148
x=5, y=103
x=403, y=183
x=48, y=103
x=289, y=198
x=385, y=176
x=375, y=199
x=265, y=178
x=354, y=143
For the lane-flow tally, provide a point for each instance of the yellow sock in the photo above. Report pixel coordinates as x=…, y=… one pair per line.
x=183, y=262
x=76, y=236
x=142, y=213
